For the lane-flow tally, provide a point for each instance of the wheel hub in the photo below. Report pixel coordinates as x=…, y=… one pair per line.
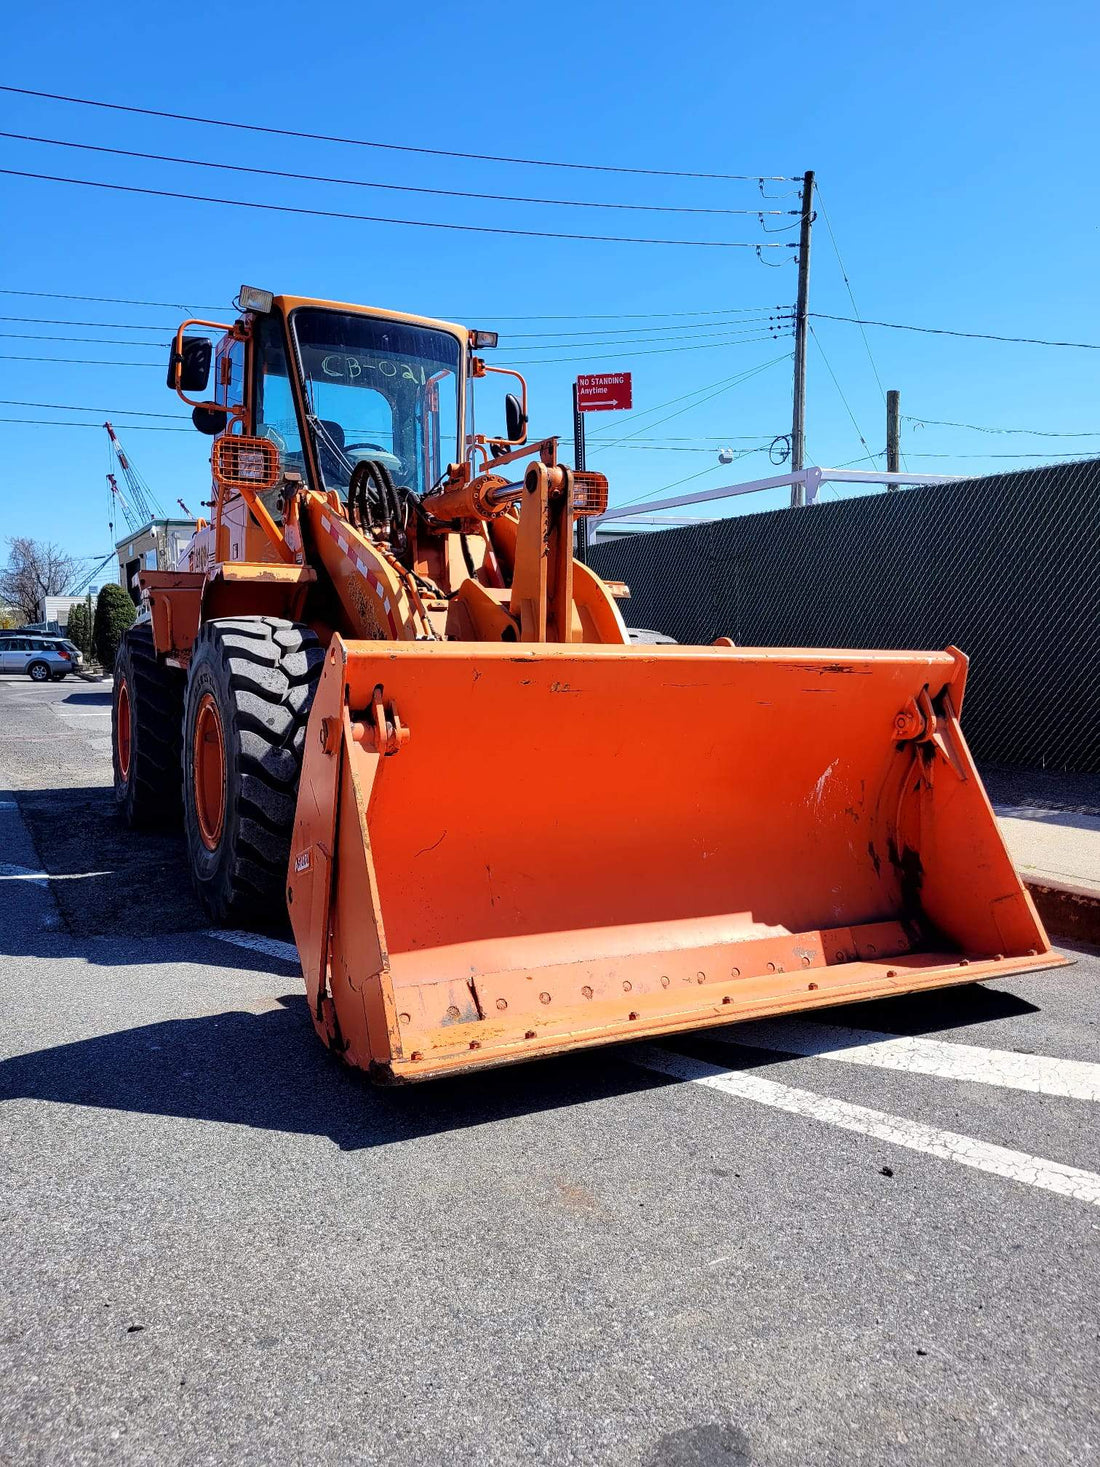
x=122, y=730
x=209, y=772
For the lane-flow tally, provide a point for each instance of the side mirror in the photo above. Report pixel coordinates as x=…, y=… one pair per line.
x=515, y=419
x=189, y=369
x=209, y=419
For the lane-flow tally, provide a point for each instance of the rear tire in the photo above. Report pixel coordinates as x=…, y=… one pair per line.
x=38, y=672
x=249, y=691
x=146, y=725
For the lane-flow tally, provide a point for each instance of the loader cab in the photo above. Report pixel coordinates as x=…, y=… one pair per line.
x=373, y=388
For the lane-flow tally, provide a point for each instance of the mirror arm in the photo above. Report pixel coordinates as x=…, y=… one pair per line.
x=177, y=355
x=522, y=380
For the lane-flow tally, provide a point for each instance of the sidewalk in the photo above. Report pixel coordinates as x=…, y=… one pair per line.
x=1051, y=825
x=1052, y=845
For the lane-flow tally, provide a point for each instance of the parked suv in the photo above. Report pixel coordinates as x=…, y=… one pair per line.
x=40, y=658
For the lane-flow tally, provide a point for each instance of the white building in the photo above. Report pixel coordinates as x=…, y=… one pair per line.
x=156, y=546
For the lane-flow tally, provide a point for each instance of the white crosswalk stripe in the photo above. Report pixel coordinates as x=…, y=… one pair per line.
x=1017, y=1166
x=1075, y=1079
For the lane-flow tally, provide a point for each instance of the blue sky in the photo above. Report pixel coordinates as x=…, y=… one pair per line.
x=954, y=146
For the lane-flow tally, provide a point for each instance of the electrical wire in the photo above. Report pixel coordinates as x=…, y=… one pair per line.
x=75, y=407
x=72, y=423
x=160, y=193
x=103, y=325
x=974, y=427
x=653, y=494
x=840, y=390
x=718, y=389
x=848, y=288
x=102, y=300
x=624, y=316
x=320, y=137
x=76, y=361
x=752, y=328
x=603, y=355
x=855, y=307
x=85, y=340
x=1085, y=457
x=404, y=188
x=606, y=332
x=467, y=315
x=947, y=331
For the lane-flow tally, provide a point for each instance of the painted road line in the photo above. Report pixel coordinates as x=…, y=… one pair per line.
x=8, y=872
x=271, y=946
x=1016, y=1166
x=1075, y=1079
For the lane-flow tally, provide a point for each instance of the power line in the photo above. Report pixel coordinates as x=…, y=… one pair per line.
x=974, y=427
x=160, y=193
x=752, y=329
x=85, y=340
x=72, y=423
x=715, y=390
x=321, y=137
x=653, y=493
x=103, y=325
x=851, y=296
x=748, y=318
x=76, y=361
x=103, y=300
x=946, y=331
x=637, y=316
x=75, y=407
x=181, y=306
x=404, y=188
x=840, y=390
x=600, y=354
x=1084, y=456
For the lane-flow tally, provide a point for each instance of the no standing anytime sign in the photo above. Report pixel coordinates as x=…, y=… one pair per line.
x=604, y=391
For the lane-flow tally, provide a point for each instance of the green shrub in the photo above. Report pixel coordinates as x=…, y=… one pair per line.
x=114, y=612
x=77, y=629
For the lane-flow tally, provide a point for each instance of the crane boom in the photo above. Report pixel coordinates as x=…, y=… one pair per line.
x=141, y=496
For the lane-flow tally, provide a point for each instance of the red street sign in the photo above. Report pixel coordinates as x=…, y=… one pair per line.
x=603, y=391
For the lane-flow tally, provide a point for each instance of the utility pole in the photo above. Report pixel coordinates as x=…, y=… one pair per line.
x=893, y=433
x=798, y=419
x=579, y=463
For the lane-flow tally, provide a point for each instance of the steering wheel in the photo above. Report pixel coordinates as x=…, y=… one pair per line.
x=357, y=453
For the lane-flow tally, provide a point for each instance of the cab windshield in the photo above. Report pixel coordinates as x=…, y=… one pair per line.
x=379, y=390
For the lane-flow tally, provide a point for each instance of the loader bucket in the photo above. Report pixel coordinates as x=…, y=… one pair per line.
x=504, y=850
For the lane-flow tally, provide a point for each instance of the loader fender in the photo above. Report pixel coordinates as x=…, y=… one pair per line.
x=250, y=686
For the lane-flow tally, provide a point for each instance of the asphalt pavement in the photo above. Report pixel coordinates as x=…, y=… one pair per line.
x=873, y=1237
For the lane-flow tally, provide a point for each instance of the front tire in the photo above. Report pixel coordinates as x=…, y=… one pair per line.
x=249, y=691
x=146, y=725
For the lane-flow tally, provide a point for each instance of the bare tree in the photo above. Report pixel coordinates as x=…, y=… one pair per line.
x=35, y=569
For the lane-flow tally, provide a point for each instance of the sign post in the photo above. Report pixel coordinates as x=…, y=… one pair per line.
x=595, y=393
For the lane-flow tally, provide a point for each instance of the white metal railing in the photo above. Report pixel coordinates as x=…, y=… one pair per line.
x=810, y=479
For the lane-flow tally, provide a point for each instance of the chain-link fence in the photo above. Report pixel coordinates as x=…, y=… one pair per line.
x=1006, y=567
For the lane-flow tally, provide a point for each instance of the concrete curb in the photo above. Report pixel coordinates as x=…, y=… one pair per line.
x=1070, y=913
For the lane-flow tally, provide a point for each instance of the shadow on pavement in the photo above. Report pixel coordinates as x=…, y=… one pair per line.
x=95, y=700
x=271, y=1072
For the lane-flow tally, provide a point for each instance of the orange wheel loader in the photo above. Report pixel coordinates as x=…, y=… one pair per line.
x=384, y=698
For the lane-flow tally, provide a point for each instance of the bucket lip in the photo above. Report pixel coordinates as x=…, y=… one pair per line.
x=866, y=982
x=826, y=659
